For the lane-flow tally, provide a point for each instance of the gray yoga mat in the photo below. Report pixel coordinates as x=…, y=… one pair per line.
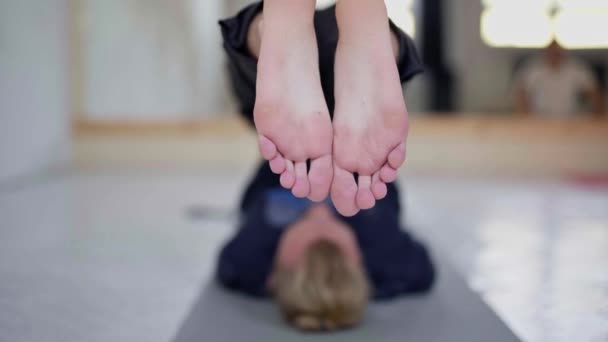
x=451, y=312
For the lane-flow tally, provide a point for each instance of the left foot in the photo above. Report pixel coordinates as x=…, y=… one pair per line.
x=370, y=119
x=290, y=112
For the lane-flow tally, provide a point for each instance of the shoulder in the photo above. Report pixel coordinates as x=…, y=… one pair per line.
x=579, y=71
x=576, y=66
x=401, y=266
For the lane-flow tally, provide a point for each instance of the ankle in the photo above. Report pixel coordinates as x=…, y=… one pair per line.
x=295, y=10
x=355, y=17
x=364, y=23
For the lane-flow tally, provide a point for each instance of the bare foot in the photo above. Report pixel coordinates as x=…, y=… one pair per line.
x=370, y=119
x=290, y=113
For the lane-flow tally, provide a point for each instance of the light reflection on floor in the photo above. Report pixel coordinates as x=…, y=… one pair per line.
x=537, y=252
x=83, y=253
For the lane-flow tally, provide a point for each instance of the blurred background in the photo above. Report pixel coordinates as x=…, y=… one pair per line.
x=122, y=157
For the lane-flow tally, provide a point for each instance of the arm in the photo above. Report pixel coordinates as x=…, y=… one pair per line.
x=590, y=88
x=402, y=265
x=395, y=261
x=246, y=261
x=594, y=96
x=522, y=86
x=522, y=101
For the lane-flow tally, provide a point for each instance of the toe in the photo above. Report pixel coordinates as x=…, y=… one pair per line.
x=288, y=176
x=320, y=177
x=378, y=187
x=365, y=197
x=277, y=164
x=344, y=192
x=301, y=188
x=388, y=174
x=397, y=156
x=268, y=149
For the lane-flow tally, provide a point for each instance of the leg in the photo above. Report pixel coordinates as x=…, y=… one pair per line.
x=242, y=65
x=370, y=119
x=290, y=113
x=254, y=35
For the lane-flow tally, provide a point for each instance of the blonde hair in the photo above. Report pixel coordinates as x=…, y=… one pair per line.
x=324, y=293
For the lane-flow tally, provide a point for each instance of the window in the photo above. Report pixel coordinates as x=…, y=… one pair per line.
x=575, y=24
x=400, y=12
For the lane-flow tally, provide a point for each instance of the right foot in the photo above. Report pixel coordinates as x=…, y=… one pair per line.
x=370, y=118
x=291, y=116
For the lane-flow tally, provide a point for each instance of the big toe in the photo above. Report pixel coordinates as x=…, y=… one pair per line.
x=397, y=156
x=344, y=192
x=320, y=177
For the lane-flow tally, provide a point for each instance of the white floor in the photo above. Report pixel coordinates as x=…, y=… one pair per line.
x=120, y=256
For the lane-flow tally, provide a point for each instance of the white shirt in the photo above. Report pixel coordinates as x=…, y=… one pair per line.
x=553, y=92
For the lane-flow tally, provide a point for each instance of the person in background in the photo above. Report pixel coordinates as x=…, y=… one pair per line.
x=550, y=86
x=320, y=265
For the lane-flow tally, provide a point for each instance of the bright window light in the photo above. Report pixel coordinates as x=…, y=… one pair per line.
x=575, y=24
x=532, y=29
x=582, y=29
x=525, y=4
x=582, y=3
x=325, y=3
x=400, y=12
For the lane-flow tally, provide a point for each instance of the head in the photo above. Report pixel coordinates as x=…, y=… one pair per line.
x=554, y=54
x=318, y=281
